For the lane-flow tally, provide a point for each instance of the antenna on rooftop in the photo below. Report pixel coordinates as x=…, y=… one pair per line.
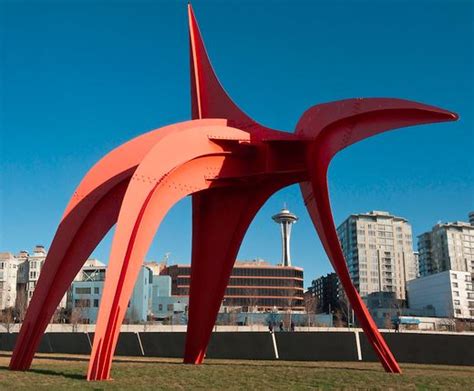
x=166, y=258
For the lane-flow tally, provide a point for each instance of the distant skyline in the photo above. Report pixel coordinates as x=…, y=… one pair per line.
x=79, y=78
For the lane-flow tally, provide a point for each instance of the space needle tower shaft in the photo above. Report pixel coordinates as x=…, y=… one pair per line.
x=286, y=219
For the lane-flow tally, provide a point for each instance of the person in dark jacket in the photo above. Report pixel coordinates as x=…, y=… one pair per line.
x=270, y=327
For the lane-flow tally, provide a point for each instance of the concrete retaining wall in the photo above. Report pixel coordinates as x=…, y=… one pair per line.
x=243, y=345
x=163, y=344
x=425, y=348
x=330, y=346
x=422, y=348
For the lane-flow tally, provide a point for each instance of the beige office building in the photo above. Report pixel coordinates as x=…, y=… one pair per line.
x=29, y=270
x=448, y=246
x=378, y=248
x=8, y=276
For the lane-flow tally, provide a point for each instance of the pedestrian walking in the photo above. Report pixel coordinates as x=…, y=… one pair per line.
x=397, y=326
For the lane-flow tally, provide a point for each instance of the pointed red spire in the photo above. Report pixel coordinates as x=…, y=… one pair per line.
x=208, y=98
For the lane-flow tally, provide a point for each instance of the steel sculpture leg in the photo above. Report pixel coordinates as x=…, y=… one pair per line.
x=91, y=212
x=121, y=276
x=67, y=255
x=334, y=126
x=317, y=201
x=220, y=219
x=154, y=188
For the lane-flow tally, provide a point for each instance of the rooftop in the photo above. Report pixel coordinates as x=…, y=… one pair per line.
x=374, y=214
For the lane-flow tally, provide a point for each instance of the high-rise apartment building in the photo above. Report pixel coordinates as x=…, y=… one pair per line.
x=425, y=255
x=326, y=291
x=378, y=249
x=448, y=246
x=8, y=276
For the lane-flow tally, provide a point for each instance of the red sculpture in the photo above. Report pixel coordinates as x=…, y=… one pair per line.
x=230, y=165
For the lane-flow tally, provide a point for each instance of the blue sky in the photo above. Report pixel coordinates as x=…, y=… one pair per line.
x=80, y=78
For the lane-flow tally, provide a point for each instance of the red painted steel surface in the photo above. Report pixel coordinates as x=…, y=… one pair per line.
x=230, y=165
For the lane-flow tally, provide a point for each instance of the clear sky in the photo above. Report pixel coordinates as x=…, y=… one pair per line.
x=80, y=78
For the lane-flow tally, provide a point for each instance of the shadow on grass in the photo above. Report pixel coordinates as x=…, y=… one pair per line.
x=300, y=365
x=271, y=364
x=49, y=372
x=58, y=373
x=61, y=358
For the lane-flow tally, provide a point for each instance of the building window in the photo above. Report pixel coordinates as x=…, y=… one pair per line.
x=455, y=284
x=82, y=303
x=160, y=307
x=96, y=303
x=456, y=293
x=458, y=311
x=96, y=290
x=83, y=291
x=169, y=307
x=454, y=276
x=457, y=302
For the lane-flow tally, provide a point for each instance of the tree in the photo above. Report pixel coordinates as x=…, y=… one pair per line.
x=448, y=323
x=460, y=325
x=252, y=301
x=233, y=315
x=290, y=303
x=134, y=316
x=21, y=303
x=77, y=314
x=338, y=318
x=387, y=322
x=344, y=311
x=7, y=318
x=310, y=305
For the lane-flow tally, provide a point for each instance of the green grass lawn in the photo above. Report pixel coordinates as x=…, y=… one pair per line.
x=64, y=372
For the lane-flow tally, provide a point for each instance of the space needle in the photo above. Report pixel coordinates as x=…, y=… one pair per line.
x=286, y=219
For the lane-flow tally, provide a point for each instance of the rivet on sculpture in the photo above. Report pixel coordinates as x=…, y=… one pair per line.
x=230, y=165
